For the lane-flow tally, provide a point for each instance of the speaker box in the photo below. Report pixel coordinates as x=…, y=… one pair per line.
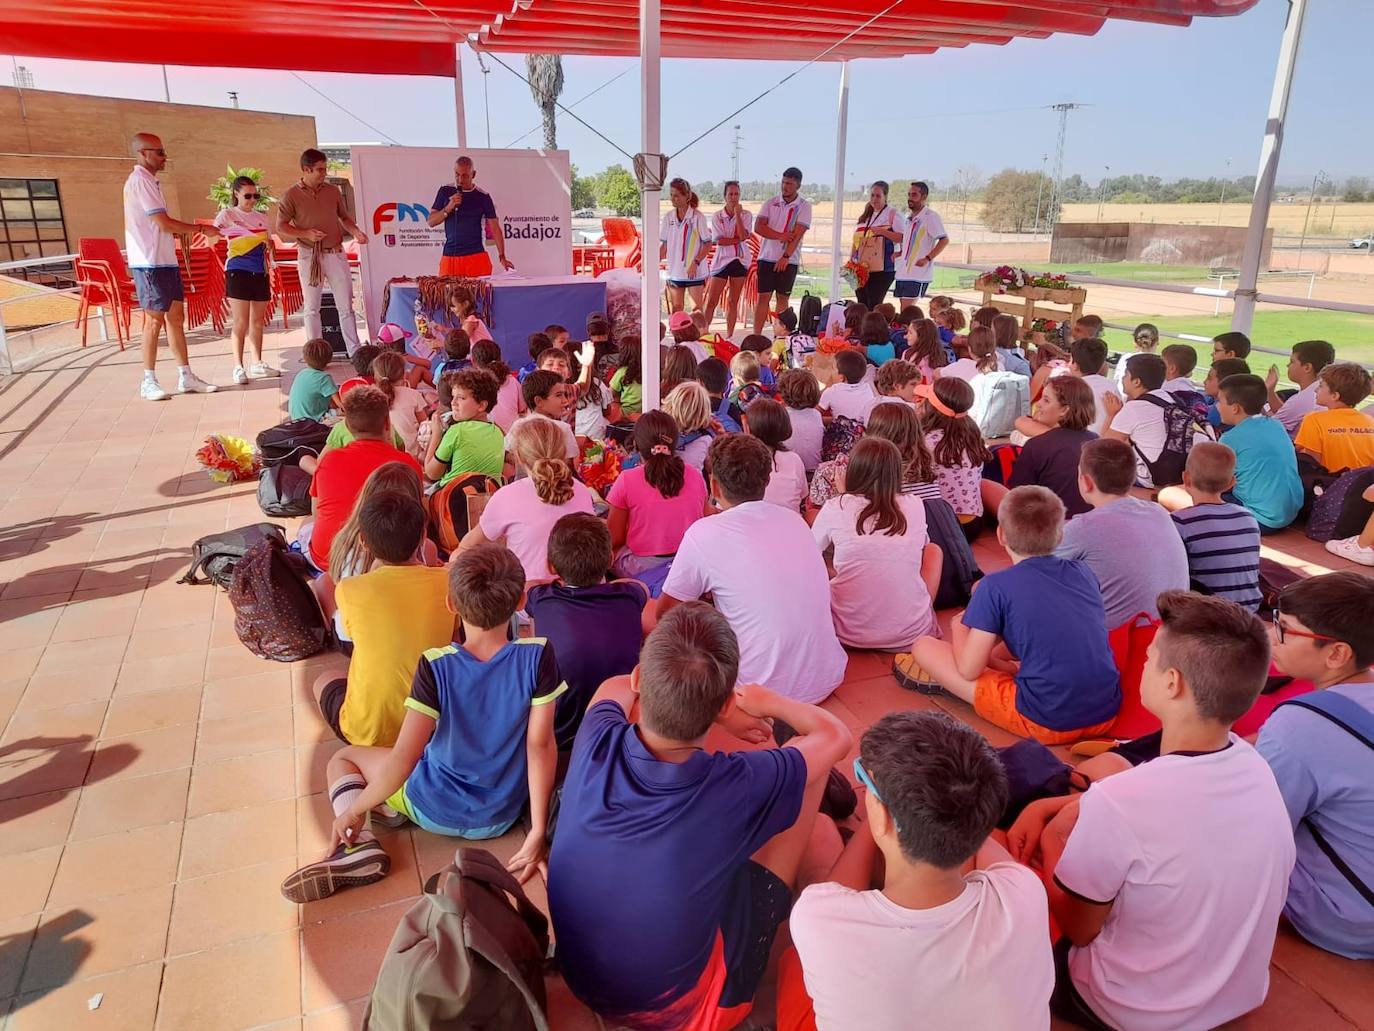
x=330, y=327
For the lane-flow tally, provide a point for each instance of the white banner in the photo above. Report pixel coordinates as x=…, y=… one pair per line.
x=395, y=187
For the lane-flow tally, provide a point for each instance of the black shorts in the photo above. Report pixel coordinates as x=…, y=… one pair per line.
x=909, y=288
x=331, y=704
x=1066, y=1003
x=247, y=286
x=734, y=270
x=682, y=284
x=771, y=281
x=755, y=906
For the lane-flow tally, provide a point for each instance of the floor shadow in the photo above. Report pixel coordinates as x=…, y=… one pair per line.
x=52, y=954
x=94, y=581
x=66, y=767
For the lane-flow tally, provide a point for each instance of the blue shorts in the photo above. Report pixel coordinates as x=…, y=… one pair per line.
x=910, y=288
x=158, y=287
x=682, y=284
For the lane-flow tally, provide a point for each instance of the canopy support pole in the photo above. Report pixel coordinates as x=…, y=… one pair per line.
x=459, y=109
x=1243, y=315
x=652, y=168
x=841, y=145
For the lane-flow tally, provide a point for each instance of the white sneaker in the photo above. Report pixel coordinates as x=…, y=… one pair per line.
x=151, y=390
x=1349, y=549
x=240, y=377
x=261, y=370
x=190, y=383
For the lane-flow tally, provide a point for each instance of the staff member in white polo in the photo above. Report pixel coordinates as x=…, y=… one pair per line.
x=731, y=228
x=312, y=213
x=152, y=260
x=782, y=223
x=923, y=240
x=683, y=238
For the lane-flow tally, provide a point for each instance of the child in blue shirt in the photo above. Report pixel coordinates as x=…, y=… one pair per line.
x=539, y=343
x=1267, y=481
x=476, y=743
x=313, y=391
x=1030, y=652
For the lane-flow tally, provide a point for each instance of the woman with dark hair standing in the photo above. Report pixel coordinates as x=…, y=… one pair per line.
x=731, y=228
x=247, y=234
x=684, y=238
x=878, y=232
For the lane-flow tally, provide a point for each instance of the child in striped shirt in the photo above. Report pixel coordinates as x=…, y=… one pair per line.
x=1222, y=538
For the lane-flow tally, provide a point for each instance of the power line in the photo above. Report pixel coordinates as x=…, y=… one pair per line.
x=355, y=117
x=619, y=75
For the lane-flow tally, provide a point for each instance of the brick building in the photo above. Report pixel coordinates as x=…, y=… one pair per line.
x=64, y=158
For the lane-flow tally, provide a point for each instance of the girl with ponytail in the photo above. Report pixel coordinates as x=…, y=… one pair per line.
x=408, y=408
x=684, y=238
x=958, y=447
x=522, y=513
x=654, y=502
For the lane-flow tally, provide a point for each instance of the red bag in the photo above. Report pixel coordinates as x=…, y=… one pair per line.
x=1128, y=643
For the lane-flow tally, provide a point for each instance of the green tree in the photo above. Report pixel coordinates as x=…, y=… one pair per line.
x=1010, y=199
x=1356, y=190
x=545, y=72
x=617, y=189
x=583, y=191
x=221, y=191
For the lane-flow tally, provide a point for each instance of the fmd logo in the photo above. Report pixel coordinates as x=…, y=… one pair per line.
x=393, y=212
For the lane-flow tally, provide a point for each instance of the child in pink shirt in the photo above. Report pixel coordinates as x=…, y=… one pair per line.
x=653, y=503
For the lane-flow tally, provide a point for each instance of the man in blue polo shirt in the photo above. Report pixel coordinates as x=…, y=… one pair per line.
x=465, y=212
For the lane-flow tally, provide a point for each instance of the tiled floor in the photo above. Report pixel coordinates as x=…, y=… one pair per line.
x=157, y=781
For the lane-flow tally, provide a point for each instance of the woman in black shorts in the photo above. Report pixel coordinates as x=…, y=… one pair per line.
x=731, y=228
x=247, y=235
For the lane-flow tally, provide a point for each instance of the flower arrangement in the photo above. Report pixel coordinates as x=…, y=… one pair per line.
x=855, y=273
x=834, y=345
x=1008, y=277
x=1044, y=326
x=228, y=459
x=600, y=464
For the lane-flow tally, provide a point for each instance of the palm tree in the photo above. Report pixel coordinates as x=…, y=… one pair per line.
x=546, y=85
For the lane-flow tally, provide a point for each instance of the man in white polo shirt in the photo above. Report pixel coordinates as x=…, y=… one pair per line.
x=782, y=222
x=923, y=239
x=152, y=260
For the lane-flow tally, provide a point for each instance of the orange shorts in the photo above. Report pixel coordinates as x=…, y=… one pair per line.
x=795, y=1009
x=471, y=266
x=994, y=699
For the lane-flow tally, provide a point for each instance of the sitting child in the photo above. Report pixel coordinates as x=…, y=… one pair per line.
x=313, y=391
x=1222, y=539
x=923, y=348
x=476, y=744
x=714, y=375
x=1146, y=340
x=627, y=382
x=1179, y=362
x=1305, y=365
x=558, y=335
x=924, y=921
x=510, y=404
x=362, y=360
x=1062, y=420
x=1230, y=345
x=767, y=420
x=876, y=339
x=957, y=444
x=1159, y=930
x=897, y=380
x=712, y=850
x=595, y=627
x=1324, y=632
x=538, y=344
x=1142, y=421
x=408, y=407
x=457, y=348
x=852, y=397
x=546, y=396
x=762, y=348
x=801, y=394
x=745, y=373
x=462, y=439
x=596, y=406
x=690, y=406
x=1010, y=355
x=391, y=613
x=1339, y=438
x=1221, y=369
x=685, y=333
x=1009, y=655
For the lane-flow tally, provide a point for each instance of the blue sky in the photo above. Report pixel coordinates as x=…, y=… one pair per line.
x=1164, y=101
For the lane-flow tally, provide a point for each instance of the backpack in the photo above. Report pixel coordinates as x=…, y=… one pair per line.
x=1179, y=426
x=1340, y=510
x=723, y=416
x=960, y=569
x=284, y=491
x=450, y=508
x=839, y=437
x=276, y=615
x=287, y=442
x=999, y=399
x=467, y=956
x=1004, y=458
x=213, y=557
x=809, y=314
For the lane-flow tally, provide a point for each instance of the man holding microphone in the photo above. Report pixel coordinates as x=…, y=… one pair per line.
x=467, y=213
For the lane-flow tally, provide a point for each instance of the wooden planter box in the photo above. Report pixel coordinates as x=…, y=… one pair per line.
x=1027, y=297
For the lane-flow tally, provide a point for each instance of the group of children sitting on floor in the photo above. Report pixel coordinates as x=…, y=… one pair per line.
x=565, y=652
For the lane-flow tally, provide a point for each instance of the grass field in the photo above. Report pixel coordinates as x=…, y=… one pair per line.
x=1326, y=219
x=1352, y=335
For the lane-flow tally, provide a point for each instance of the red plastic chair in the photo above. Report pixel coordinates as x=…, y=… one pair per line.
x=286, y=282
x=106, y=251
x=99, y=290
x=623, y=238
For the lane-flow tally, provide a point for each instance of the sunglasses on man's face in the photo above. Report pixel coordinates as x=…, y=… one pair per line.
x=155, y=150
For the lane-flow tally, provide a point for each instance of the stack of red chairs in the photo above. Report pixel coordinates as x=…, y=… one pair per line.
x=751, y=284
x=203, y=280
x=102, y=272
x=623, y=238
x=286, y=281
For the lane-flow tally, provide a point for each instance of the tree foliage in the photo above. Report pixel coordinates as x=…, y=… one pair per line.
x=583, y=190
x=222, y=194
x=1011, y=198
x=617, y=189
x=545, y=73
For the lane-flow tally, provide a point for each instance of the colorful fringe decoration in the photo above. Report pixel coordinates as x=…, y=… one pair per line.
x=228, y=459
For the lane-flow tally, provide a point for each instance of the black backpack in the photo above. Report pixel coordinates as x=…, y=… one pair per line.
x=284, y=491
x=276, y=615
x=960, y=570
x=287, y=442
x=214, y=557
x=808, y=315
x=1180, y=423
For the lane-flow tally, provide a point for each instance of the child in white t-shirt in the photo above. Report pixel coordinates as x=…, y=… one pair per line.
x=852, y=398
x=900, y=935
x=801, y=393
x=767, y=419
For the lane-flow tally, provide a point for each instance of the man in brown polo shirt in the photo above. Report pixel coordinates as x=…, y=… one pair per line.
x=312, y=213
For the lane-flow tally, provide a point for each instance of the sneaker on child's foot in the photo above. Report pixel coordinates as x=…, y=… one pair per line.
x=1349, y=548
x=190, y=383
x=348, y=866
x=913, y=677
x=240, y=376
x=261, y=370
x=151, y=390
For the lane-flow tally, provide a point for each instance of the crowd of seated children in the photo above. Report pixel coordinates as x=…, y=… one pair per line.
x=901, y=425
x=475, y=745
x=1130, y=544
x=392, y=610
x=522, y=513
x=595, y=627
x=547, y=399
x=510, y=403
x=1030, y=652
x=1141, y=421
x=957, y=444
x=1222, y=539
x=690, y=407
x=1007, y=333
x=462, y=438
x=1340, y=437
x=596, y=406
x=313, y=391
x=880, y=552
x=923, y=348
x=759, y=563
x=925, y=920
x=897, y=380
x=801, y=393
x=1179, y=362
x=362, y=360
x=1305, y=364
x=341, y=472
x=1323, y=632
x=767, y=420
x=875, y=337
x=714, y=851
x=653, y=503
x=627, y=382
x=408, y=406
x=1062, y=421
x=538, y=344
x=714, y=375
x=1145, y=337
x=1157, y=931
x=678, y=365
x=852, y=396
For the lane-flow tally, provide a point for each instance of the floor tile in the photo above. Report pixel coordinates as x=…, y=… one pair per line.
x=248, y=780
x=95, y=683
x=340, y=957
x=238, y=838
x=238, y=696
x=141, y=675
x=117, y=805
x=116, y=864
x=235, y=736
x=61, y=656
x=16, y=940
x=159, y=643
x=97, y=937
x=128, y=1003
x=103, y=621
x=151, y=710
x=137, y=754
x=27, y=877
x=348, y=1017
x=230, y=906
x=205, y=990
x=48, y=726
x=234, y=661
x=36, y=821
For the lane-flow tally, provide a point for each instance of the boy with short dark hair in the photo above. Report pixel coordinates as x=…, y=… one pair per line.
x=476, y=742
x=1008, y=655
x=1160, y=931
x=714, y=375
x=1088, y=358
x=467, y=441
x=555, y=359
x=457, y=348
x=1234, y=344
x=313, y=391
x=558, y=335
x=1267, y=481
x=539, y=343
x=903, y=933
x=666, y=901
x=362, y=360
x=1142, y=421
x=1179, y=362
x=1221, y=538
x=852, y=398
x=547, y=396
x=1339, y=438
x=763, y=347
x=1305, y=364
x=595, y=627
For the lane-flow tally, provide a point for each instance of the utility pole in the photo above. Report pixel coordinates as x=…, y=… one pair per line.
x=1102, y=190
x=734, y=156
x=1223, y=190
x=1063, y=109
x=1311, y=197
x=1039, y=190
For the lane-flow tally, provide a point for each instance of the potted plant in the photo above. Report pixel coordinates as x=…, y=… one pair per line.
x=222, y=193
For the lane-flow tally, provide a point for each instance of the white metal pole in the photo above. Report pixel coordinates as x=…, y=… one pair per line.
x=166, y=86
x=650, y=72
x=841, y=144
x=1243, y=314
x=459, y=110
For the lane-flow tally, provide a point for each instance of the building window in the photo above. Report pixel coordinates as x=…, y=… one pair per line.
x=31, y=224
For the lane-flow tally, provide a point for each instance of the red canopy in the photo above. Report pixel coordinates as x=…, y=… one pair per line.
x=404, y=37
